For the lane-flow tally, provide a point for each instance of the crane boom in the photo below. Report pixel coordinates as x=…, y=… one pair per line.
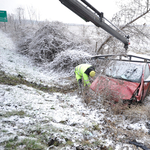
x=87, y=12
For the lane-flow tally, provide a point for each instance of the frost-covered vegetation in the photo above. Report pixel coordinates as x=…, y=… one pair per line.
x=48, y=41
x=53, y=46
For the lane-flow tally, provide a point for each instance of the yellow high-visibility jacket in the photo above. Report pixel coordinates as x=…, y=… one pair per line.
x=80, y=73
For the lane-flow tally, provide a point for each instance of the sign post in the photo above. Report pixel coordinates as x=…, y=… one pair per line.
x=3, y=16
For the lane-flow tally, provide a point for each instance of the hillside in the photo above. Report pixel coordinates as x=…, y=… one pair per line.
x=39, y=104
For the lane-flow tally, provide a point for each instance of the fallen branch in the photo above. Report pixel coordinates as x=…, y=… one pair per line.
x=137, y=144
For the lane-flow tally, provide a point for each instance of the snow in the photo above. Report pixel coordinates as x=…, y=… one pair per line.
x=131, y=71
x=43, y=106
x=63, y=115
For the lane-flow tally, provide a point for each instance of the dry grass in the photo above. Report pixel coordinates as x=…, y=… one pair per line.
x=88, y=95
x=111, y=99
x=141, y=112
x=106, y=99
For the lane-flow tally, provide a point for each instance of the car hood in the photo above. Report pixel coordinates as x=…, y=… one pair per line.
x=118, y=89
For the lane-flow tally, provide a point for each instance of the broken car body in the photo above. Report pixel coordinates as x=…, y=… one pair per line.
x=124, y=80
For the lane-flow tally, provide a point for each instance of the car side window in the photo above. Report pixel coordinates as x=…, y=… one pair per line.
x=147, y=72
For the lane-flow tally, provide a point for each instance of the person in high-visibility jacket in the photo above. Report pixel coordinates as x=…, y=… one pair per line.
x=84, y=71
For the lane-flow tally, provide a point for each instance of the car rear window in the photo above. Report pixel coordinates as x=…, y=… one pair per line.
x=125, y=70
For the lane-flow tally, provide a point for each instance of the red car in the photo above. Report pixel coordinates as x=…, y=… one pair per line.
x=124, y=80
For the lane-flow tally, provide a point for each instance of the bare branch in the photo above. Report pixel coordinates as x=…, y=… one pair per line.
x=125, y=26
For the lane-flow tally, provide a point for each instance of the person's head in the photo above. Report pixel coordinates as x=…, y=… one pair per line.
x=92, y=73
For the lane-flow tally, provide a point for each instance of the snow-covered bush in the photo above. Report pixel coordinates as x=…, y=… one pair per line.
x=67, y=60
x=47, y=42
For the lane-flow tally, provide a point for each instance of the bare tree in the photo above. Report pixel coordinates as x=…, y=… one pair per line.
x=128, y=20
x=20, y=14
x=33, y=15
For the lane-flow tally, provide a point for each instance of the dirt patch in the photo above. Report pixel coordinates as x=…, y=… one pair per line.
x=15, y=80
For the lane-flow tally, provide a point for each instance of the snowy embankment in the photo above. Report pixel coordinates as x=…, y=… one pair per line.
x=15, y=64
x=54, y=120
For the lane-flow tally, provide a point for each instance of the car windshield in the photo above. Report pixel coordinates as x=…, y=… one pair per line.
x=125, y=70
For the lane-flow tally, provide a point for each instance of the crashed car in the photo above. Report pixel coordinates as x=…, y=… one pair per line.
x=127, y=81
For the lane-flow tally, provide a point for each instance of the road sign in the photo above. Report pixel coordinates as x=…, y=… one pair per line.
x=3, y=16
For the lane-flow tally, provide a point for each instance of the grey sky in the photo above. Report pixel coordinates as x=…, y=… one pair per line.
x=53, y=10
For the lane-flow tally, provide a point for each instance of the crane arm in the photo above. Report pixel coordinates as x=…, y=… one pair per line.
x=87, y=12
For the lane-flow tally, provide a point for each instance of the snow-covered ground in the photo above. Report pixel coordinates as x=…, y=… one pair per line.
x=28, y=113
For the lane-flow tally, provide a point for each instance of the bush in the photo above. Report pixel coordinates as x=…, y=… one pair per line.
x=66, y=61
x=47, y=42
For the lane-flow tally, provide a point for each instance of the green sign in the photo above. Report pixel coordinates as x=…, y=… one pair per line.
x=3, y=16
